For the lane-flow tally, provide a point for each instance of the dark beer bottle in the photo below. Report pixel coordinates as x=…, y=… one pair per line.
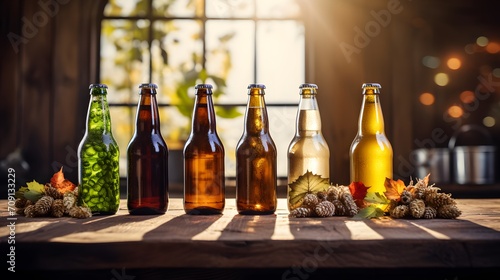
x=204, y=175
x=98, y=158
x=256, y=155
x=371, y=152
x=147, y=157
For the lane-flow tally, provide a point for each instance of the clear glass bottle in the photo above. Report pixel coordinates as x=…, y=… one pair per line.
x=98, y=158
x=147, y=159
x=256, y=159
x=308, y=150
x=204, y=173
x=371, y=152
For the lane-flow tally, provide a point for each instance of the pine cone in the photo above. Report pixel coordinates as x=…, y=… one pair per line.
x=340, y=209
x=29, y=211
x=81, y=212
x=301, y=212
x=348, y=201
x=57, y=209
x=400, y=211
x=321, y=196
x=333, y=193
x=20, y=202
x=310, y=201
x=52, y=192
x=437, y=200
x=325, y=209
x=42, y=206
x=448, y=211
x=69, y=200
x=417, y=208
x=406, y=197
x=429, y=213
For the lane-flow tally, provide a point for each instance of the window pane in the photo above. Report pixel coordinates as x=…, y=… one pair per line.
x=177, y=57
x=124, y=58
x=230, y=131
x=174, y=126
x=177, y=8
x=126, y=8
x=282, y=129
x=280, y=58
x=277, y=8
x=230, y=8
x=230, y=56
x=122, y=125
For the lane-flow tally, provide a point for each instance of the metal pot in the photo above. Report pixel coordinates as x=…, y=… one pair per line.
x=473, y=164
x=435, y=162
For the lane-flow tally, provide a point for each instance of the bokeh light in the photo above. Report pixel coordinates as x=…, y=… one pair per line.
x=431, y=61
x=482, y=41
x=455, y=111
x=496, y=72
x=427, y=98
x=467, y=96
x=493, y=47
x=441, y=79
x=489, y=121
x=454, y=63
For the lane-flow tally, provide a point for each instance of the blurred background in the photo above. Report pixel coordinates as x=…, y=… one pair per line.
x=438, y=63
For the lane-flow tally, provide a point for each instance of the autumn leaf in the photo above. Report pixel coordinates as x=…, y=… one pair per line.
x=358, y=191
x=60, y=183
x=306, y=183
x=369, y=212
x=33, y=191
x=393, y=189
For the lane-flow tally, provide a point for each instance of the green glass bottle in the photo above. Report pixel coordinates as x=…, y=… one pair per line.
x=98, y=158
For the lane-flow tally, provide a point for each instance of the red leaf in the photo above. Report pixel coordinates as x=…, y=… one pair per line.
x=358, y=191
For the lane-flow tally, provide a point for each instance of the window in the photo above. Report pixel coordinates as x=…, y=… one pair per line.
x=179, y=43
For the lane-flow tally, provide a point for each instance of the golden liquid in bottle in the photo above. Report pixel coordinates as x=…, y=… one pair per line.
x=308, y=150
x=371, y=152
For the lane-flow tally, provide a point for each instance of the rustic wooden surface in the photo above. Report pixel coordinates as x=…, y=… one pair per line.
x=176, y=240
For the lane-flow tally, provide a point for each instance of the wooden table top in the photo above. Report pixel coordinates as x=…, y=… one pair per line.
x=176, y=240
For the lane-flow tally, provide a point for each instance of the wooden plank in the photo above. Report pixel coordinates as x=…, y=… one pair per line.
x=176, y=240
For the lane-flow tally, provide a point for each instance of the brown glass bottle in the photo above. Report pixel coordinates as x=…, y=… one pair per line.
x=371, y=152
x=147, y=158
x=204, y=174
x=256, y=156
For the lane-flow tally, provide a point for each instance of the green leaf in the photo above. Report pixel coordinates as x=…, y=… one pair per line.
x=306, y=183
x=376, y=198
x=35, y=191
x=369, y=212
x=21, y=191
x=228, y=112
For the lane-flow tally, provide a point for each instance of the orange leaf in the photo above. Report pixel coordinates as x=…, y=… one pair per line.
x=358, y=190
x=60, y=183
x=393, y=189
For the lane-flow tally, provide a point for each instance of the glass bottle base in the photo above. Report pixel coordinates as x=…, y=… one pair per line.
x=203, y=211
x=146, y=211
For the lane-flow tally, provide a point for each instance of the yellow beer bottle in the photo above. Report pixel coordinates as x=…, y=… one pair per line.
x=371, y=152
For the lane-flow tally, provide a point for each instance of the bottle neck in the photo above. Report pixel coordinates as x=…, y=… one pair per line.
x=308, y=120
x=204, y=113
x=98, y=116
x=256, y=119
x=371, y=119
x=147, y=117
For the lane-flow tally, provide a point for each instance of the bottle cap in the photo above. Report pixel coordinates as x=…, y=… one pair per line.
x=203, y=86
x=148, y=85
x=371, y=85
x=97, y=86
x=261, y=86
x=307, y=85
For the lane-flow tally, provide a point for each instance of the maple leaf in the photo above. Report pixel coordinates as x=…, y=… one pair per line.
x=306, y=183
x=369, y=212
x=358, y=191
x=393, y=189
x=33, y=191
x=60, y=183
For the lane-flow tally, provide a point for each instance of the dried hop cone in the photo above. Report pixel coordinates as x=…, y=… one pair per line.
x=57, y=210
x=400, y=211
x=29, y=211
x=310, y=201
x=406, y=197
x=80, y=212
x=20, y=202
x=438, y=199
x=340, y=208
x=325, y=209
x=52, y=192
x=448, y=211
x=69, y=200
x=429, y=213
x=333, y=193
x=417, y=208
x=301, y=212
x=42, y=206
x=348, y=201
x=321, y=196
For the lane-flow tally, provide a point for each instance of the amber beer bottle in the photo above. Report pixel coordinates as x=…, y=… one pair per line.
x=204, y=175
x=371, y=151
x=308, y=150
x=256, y=155
x=98, y=157
x=147, y=157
